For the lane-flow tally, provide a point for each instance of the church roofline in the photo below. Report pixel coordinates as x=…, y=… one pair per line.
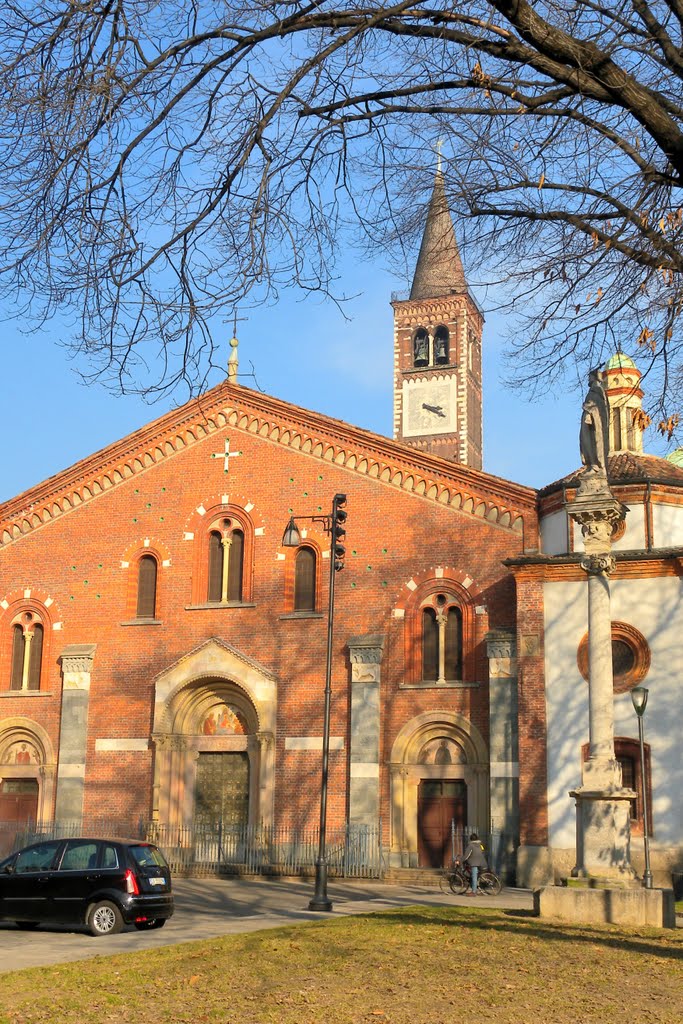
x=238, y=407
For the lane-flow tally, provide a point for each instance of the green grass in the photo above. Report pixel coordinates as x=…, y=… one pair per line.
x=416, y=965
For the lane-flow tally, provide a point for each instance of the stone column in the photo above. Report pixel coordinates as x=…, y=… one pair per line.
x=366, y=659
x=503, y=743
x=603, y=836
x=77, y=661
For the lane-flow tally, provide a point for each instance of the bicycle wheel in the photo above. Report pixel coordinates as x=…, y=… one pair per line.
x=458, y=882
x=489, y=883
x=445, y=880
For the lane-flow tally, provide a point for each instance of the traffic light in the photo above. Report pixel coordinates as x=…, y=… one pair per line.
x=338, y=531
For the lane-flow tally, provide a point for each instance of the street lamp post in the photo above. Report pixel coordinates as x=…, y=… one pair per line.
x=332, y=524
x=639, y=695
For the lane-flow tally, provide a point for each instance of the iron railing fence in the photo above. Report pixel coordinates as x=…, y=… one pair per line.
x=353, y=851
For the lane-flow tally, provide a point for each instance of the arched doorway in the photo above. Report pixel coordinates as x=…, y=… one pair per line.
x=214, y=748
x=439, y=776
x=27, y=776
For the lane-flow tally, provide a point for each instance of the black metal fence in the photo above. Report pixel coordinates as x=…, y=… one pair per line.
x=353, y=851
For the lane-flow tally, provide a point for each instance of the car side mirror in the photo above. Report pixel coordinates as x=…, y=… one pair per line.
x=8, y=869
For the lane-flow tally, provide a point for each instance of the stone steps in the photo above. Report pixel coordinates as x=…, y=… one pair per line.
x=413, y=876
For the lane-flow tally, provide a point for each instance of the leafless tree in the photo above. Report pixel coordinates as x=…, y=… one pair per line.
x=164, y=158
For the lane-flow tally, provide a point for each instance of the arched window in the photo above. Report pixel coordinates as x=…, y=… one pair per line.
x=441, y=640
x=27, y=652
x=147, y=587
x=420, y=347
x=304, y=580
x=441, y=349
x=226, y=563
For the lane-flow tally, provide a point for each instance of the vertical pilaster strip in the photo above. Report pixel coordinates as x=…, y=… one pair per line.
x=503, y=732
x=77, y=662
x=366, y=659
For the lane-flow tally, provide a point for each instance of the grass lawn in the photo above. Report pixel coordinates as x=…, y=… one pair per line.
x=416, y=965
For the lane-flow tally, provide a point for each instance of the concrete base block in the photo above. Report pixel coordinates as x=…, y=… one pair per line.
x=534, y=867
x=631, y=907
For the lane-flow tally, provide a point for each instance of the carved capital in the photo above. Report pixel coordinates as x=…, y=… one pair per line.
x=598, y=564
x=366, y=649
x=78, y=658
x=597, y=517
x=167, y=741
x=500, y=644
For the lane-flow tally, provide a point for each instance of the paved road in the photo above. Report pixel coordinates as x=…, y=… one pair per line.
x=206, y=908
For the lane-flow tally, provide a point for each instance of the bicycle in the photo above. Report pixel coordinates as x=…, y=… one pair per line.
x=457, y=879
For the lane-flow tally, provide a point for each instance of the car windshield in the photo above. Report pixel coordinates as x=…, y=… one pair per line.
x=148, y=857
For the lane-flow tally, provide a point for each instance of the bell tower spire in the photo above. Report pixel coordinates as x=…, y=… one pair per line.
x=437, y=347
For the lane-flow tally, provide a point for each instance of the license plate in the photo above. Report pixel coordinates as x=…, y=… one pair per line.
x=157, y=881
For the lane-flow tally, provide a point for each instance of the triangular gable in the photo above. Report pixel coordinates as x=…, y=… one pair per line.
x=236, y=407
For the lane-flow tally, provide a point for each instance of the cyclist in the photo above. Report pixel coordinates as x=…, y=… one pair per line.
x=476, y=859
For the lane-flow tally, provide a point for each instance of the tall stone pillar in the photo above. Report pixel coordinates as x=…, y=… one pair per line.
x=603, y=836
x=503, y=744
x=366, y=659
x=77, y=661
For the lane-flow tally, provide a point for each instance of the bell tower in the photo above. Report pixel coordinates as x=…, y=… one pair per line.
x=437, y=348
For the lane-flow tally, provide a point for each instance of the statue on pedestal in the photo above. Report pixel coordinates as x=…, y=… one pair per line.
x=594, y=435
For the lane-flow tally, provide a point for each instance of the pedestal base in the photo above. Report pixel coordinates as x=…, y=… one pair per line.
x=653, y=908
x=603, y=834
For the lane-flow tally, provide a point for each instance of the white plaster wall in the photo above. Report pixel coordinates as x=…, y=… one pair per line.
x=634, y=534
x=554, y=533
x=655, y=607
x=667, y=526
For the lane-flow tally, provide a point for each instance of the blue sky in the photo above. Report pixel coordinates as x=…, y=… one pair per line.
x=305, y=352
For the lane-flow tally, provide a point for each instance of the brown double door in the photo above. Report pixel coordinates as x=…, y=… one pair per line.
x=439, y=802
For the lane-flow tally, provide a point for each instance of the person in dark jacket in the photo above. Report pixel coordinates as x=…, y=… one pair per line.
x=476, y=858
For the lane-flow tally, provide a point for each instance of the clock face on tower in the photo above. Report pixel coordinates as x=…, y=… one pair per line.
x=429, y=407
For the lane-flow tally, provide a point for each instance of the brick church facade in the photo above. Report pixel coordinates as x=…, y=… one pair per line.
x=162, y=654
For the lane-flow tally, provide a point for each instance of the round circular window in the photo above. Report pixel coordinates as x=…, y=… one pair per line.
x=630, y=656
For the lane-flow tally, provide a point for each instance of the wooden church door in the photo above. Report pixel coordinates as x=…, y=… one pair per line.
x=439, y=802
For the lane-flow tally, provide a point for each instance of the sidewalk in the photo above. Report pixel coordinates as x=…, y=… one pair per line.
x=210, y=907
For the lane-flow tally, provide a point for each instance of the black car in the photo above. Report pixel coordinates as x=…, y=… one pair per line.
x=102, y=883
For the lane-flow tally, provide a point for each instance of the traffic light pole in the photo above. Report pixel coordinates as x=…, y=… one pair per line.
x=320, y=900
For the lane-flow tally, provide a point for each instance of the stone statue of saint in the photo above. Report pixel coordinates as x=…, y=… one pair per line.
x=594, y=433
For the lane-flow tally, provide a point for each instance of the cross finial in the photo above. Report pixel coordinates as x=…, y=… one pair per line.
x=233, y=360
x=438, y=147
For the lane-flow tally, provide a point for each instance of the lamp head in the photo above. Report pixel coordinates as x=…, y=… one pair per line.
x=291, y=538
x=639, y=697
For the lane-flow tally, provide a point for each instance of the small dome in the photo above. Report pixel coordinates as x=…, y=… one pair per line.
x=676, y=457
x=620, y=361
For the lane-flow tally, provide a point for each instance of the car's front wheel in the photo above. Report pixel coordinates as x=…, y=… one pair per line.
x=105, y=919
x=144, y=926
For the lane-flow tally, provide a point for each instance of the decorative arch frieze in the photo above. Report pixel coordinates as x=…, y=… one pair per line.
x=342, y=446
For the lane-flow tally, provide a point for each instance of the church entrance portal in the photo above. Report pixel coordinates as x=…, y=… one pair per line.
x=222, y=789
x=439, y=802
